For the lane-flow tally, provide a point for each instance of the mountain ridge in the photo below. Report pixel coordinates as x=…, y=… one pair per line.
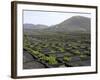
x=73, y=24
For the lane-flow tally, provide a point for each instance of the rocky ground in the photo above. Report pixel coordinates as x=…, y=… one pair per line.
x=29, y=62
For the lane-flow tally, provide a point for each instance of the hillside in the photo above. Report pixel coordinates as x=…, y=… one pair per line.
x=75, y=24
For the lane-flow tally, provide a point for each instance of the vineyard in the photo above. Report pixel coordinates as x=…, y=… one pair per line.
x=61, y=50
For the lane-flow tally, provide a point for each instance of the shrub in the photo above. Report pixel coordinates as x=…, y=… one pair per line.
x=52, y=60
x=67, y=58
x=77, y=52
x=82, y=57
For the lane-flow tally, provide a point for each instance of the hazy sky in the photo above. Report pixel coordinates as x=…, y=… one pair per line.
x=48, y=18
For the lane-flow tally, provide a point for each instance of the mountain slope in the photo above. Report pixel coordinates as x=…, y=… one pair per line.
x=73, y=24
x=32, y=26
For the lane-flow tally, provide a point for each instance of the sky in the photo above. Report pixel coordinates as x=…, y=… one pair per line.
x=48, y=18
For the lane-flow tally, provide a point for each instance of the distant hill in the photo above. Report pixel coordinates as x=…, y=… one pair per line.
x=74, y=24
x=32, y=26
